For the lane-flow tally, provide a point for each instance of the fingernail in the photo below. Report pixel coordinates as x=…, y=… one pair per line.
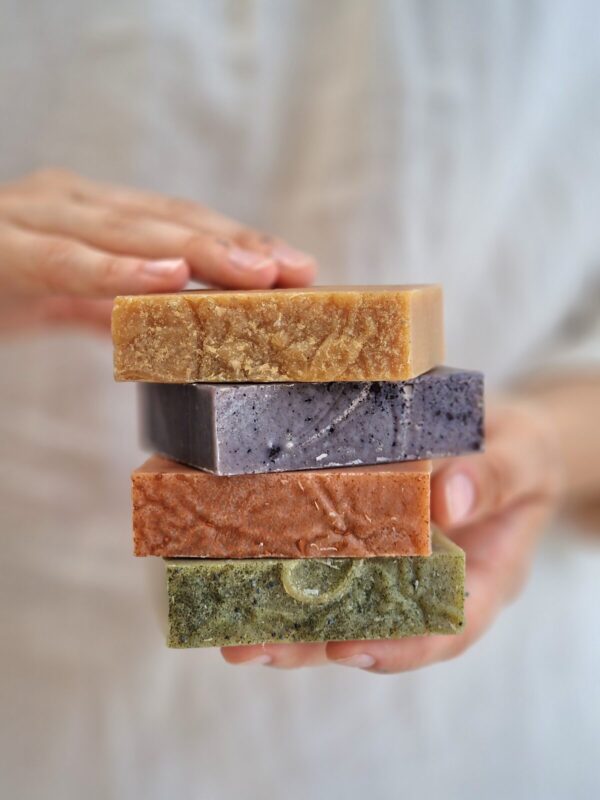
x=246, y=259
x=294, y=259
x=163, y=267
x=460, y=497
x=360, y=661
x=262, y=659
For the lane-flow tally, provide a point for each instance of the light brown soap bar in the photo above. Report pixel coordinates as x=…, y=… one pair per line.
x=353, y=512
x=361, y=333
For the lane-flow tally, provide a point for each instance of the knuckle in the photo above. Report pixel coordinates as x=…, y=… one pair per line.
x=206, y=245
x=254, y=240
x=56, y=264
x=119, y=221
x=110, y=272
x=58, y=252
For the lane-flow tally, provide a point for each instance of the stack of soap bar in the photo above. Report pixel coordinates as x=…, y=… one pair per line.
x=232, y=429
x=291, y=496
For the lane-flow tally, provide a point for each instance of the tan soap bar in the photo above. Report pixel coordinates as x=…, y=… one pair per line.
x=354, y=512
x=361, y=333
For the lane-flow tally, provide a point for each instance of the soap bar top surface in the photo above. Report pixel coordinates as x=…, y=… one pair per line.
x=360, y=511
x=216, y=603
x=231, y=429
x=320, y=334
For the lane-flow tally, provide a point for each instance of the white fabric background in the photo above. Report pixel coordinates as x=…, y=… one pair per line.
x=399, y=141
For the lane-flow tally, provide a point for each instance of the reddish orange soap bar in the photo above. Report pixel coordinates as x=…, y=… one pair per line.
x=355, y=512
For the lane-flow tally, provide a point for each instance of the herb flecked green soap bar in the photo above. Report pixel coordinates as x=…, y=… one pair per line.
x=226, y=602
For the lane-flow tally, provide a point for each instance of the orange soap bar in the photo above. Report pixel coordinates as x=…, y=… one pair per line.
x=355, y=512
x=328, y=333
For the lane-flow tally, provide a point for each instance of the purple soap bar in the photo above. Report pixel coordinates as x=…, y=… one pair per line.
x=230, y=429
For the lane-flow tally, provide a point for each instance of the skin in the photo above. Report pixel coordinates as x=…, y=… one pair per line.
x=69, y=245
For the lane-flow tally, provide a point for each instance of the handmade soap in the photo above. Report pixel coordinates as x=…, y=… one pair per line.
x=322, y=334
x=230, y=429
x=214, y=603
x=360, y=511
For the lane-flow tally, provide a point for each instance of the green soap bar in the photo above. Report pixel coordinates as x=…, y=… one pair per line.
x=224, y=602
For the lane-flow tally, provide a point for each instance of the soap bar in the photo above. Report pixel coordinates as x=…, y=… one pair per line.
x=230, y=429
x=324, y=334
x=215, y=603
x=360, y=511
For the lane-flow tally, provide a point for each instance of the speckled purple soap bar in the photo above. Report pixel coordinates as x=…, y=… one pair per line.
x=230, y=429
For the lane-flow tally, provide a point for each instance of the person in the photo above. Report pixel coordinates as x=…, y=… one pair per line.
x=385, y=180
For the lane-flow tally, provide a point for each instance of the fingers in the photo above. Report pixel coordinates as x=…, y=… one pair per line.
x=521, y=461
x=115, y=230
x=284, y=656
x=295, y=268
x=35, y=264
x=122, y=208
x=63, y=235
x=387, y=657
x=220, y=262
x=183, y=212
x=214, y=259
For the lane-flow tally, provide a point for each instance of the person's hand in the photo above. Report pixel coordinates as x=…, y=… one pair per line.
x=494, y=505
x=67, y=242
